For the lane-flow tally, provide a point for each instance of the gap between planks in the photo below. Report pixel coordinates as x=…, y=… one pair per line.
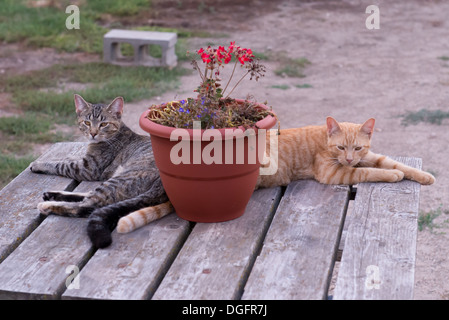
x=379, y=256
x=298, y=256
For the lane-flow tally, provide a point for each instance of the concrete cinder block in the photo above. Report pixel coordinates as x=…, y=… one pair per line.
x=140, y=40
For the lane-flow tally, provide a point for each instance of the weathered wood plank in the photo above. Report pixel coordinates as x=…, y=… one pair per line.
x=37, y=268
x=378, y=259
x=298, y=255
x=215, y=260
x=18, y=200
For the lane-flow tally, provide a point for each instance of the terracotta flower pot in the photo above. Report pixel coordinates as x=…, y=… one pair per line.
x=203, y=185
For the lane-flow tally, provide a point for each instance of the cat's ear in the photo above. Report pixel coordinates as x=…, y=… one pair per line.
x=116, y=107
x=368, y=127
x=332, y=126
x=80, y=104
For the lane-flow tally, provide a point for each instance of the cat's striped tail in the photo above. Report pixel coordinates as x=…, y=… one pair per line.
x=142, y=217
x=103, y=220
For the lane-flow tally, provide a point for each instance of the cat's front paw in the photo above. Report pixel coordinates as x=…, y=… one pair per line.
x=424, y=178
x=50, y=196
x=395, y=175
x=55, y=196
x=37, y=167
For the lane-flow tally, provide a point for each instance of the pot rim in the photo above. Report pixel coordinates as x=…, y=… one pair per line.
x=165, y=132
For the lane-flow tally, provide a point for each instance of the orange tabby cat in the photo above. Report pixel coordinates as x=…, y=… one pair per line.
x=335, y=153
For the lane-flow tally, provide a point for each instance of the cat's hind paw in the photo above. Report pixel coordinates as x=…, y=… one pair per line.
x=45, y=208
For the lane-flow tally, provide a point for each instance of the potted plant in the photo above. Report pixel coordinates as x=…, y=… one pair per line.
x=208, y=148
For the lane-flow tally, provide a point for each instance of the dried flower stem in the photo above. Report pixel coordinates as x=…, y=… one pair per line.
x=229, y=81
x=237, y=84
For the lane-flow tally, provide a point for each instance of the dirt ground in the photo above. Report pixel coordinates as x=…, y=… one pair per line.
x=355, y=74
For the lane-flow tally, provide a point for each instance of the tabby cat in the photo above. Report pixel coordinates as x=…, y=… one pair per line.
x=335, y=153
x=116, y=155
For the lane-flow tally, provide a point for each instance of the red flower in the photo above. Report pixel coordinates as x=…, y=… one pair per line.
x=244, y=55
x=249, y=53
x=205, y=55
x=206, y=58
x=223, y=54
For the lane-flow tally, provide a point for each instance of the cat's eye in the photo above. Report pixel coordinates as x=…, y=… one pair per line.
x=103, y=124
x=341, y=148
x=87, y=123
x=358, y=148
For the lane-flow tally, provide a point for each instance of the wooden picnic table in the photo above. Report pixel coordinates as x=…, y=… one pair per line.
x=284, y=247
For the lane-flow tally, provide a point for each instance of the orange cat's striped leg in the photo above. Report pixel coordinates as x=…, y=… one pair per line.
x=142, y=217
x=384, y=162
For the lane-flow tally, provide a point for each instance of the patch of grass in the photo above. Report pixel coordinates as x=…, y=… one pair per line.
x=426, y=219
x=45, y=27
x=183, y=33
x=304, y=86
x=281, y=86
x=89, y=38
x=20, y=22
x=107, y=82
x=19, y=134
x=11, y=166
x=118, y=7
x=28, y=124
x=444, y=58
x=293, y=68
x=424, y=115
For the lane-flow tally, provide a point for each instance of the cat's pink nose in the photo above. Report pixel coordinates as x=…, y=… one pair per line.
x=349, y=160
